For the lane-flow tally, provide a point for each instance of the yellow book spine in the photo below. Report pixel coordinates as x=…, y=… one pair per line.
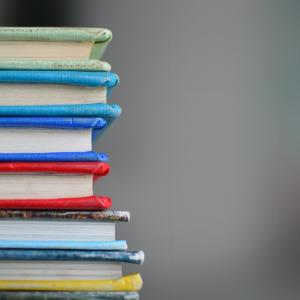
x=127, y=283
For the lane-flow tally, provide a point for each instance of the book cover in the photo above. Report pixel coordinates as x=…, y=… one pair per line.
x=75, y=65
x=20, y=295
x=94, y=168
x=101, y=216
x=136, y=257
x=76, y=245
x=55, y=157
x=79, y=78
x=80, y=203
x=109, y=112
x=99, y=36
x=53, y=122
x=128, y=283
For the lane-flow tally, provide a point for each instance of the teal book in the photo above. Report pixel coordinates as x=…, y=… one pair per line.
x=55, y=87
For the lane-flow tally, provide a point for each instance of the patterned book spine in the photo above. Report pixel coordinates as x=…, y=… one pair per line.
x=102, y=216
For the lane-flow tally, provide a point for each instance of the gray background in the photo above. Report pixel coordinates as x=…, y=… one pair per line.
x=205, y=153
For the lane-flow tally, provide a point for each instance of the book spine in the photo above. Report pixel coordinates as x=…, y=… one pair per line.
x=80, y=203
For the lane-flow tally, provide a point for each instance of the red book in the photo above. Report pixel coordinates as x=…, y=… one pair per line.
x=58, y=186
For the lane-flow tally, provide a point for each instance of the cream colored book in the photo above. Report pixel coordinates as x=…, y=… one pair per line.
x=56, y=43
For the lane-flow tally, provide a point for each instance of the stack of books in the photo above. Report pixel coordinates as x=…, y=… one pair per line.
x=57, y=239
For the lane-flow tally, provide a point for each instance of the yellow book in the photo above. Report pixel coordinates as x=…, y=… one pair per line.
x=127, y=283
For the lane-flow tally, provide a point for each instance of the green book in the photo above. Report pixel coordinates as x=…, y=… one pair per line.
x=53, y=43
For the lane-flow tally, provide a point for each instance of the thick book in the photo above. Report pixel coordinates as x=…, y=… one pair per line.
x=54, y=226
x=54, y=156
x=51, y=87
x=48, y=134
x=53, y=42
x=109, y=112
x=126, y=283
x=20, y=295
x=64, y=264
x=39, y=182
x=59, y=65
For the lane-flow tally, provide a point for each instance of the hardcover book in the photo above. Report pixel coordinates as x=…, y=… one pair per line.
x=46, y=87
x=48, y=134
x=38, y=43
x=48, y=185
x=65, y=264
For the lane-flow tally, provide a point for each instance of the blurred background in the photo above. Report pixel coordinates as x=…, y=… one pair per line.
x=206, y=152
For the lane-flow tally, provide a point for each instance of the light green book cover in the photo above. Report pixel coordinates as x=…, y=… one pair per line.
x=76, y=65
x=100, y=37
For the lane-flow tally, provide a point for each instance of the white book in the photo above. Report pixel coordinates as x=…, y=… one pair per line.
x=56, y=230
x=55, y=270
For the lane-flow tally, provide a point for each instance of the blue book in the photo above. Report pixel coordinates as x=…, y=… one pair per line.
x=55, y=156
x=136, y=257
x=38, y=244
x=49, y=134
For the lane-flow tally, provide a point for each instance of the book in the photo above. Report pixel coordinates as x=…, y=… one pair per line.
x=130, y=283
x=38, y=43
x=76, y=65
x=50, y=87
x=66, y=226
x=108, y=112
x=48, y=134
x=17, y=295
x=65, y=264
x=55, y=156
x=40, y=180
x=100, y=216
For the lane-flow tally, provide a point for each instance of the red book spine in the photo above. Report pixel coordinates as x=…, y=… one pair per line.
x=81, y=203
